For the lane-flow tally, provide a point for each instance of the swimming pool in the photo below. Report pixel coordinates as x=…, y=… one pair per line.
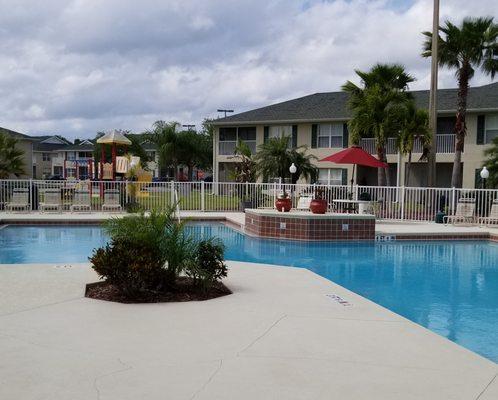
x=449, y=287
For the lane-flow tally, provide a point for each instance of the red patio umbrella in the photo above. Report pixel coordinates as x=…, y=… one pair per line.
x=357, y=156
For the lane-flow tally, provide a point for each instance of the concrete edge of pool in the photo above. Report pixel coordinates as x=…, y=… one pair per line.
x=284, y=333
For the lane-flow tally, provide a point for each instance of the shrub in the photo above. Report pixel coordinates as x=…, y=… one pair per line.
x=208, y=265
x=149, y=253
x=132, y=267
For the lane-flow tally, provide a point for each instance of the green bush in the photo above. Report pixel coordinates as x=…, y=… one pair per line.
x=208, y=265
x=132, y=267
x=149, y=253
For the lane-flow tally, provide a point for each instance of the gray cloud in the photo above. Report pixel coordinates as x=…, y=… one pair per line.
x=77, y=67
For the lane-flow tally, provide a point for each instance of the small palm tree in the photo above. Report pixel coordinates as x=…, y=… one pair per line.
x=413, y=126
x=11, y=157
x=383, y=89
x=245, y=167
x=465, y=48
x=275, y=157
x=492, y=163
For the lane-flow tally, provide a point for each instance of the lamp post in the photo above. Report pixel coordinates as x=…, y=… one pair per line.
x=484, y=175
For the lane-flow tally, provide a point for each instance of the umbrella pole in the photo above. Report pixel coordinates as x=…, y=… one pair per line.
x=352, y=181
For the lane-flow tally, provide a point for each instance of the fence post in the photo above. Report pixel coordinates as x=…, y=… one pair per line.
x=203, y=205
x=172, y=190
x=274, y=194
x=452, y=199
x=31, y=193
x=402, y=202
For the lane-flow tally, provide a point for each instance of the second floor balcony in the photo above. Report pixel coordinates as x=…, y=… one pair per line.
x=445, y=144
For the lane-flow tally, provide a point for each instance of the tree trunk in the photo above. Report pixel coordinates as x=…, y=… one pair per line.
x=408, y=169
x=460, y=125
x=190, y=172
x=381, y=172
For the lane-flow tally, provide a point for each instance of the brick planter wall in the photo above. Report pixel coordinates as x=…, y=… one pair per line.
x=302, y=226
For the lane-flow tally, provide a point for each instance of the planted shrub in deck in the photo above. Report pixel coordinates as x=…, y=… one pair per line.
x=150, y=256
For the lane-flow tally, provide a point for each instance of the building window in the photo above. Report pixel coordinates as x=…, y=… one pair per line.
x=491, y=127
x=71, y=155
x=46, y=156
x=230, y=136
x=279, y=131
x=85, y=154
x=330, y=176
x=330, y=135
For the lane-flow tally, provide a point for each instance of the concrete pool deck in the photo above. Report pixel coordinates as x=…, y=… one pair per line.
x=285, y=333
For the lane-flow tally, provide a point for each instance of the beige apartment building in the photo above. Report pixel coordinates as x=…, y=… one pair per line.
x=319, y=121
x=25, y=144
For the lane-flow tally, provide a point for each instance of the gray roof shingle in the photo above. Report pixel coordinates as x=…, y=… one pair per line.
x=333, y=105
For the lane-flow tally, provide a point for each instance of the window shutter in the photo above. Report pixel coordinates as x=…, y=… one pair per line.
x=314, y=136
x=481, y=121
x=345, y=135
x=266, y=134
x=294, y=136
x=344, y=176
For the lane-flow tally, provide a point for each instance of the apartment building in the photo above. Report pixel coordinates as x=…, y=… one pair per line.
x=25, y=144
x=319, y=121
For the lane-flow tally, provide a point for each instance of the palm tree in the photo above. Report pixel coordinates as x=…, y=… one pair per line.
x=383, y=88
x=276, y=156
x=412, y=125
x=165, y=136
x=492, y=164
x=245, y=167
x=11, y=157
x=465, y=48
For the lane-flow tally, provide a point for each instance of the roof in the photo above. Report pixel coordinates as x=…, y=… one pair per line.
x=15, y=134
x=333, y=105
x=77, y=147
x=114, y=137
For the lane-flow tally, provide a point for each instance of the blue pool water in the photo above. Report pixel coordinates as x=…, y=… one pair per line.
x=448, y=287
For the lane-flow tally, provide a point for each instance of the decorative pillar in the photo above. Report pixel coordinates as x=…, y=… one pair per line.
x=114, y=161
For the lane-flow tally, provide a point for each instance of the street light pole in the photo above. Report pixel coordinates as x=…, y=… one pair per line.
x=431, y=157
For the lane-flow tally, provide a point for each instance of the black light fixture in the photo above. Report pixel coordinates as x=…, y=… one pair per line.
x=225, y=111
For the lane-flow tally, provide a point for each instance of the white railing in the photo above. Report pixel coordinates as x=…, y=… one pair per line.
x=392, y=203
x=445, y=144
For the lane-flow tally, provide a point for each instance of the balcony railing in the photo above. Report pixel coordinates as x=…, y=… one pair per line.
x=227, y=148
x=445, y=144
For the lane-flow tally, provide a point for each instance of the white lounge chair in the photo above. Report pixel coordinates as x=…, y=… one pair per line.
x=303, y=203
x=111, y=201
x=465, y=212
x=19, y=200
x=82, y=201
x=51, y=200
x=492, y=218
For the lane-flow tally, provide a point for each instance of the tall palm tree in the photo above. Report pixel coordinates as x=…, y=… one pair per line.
x=383, y=88
x=276, y=156
x=165, y=136
x=465, y=48
x=11, y=157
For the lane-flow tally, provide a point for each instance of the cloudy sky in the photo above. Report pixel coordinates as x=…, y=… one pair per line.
x=75, y=67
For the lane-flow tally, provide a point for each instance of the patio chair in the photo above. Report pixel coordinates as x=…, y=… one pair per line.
x=19, y=200
x=303, y=203
x=51, y=200
x=465, y=212
x=111, y=201
x=492, y=218
x=82, y=201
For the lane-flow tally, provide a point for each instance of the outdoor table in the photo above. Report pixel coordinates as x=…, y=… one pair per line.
x=350, y=206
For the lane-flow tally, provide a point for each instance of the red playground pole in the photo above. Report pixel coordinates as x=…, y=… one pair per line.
x=114, y=161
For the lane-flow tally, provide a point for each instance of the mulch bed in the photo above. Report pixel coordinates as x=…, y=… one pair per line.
x=183, y=291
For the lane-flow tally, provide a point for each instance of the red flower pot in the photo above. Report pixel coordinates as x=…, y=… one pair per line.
x=283, y=205
x=318, y=206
